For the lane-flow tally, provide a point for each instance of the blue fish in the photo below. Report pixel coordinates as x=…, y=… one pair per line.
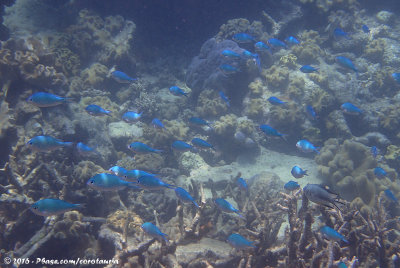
x=85, y=150
x=342, y=265
x=43, y=99
x=389, y=194
x=157, y=123
x=131, y=117
x=224, y=98
x=332, y=234
x=257, y=62
x=122, y=77
x=374, y=151
x=298, y=172
x=117, y=170
x=96, y=110
x=308, y=69
x=306, y=147
x=202, y=143
x=241, y=183
x=322, y=195
x=199, y=121
x=270, y=131
x=151, y=182
x=346, y=63
x=291, y=186
x=230, y=54
x=339, y=33
x=380, y=173
x=109, y=182
x=248, y=55
x=239, y=242
x=260, y=46
x=350, y=108
x=365, y=29
x=243, y=38
x=46, y=143
x=291, y=40
x=50, y=207
x=276, y=43
x=153, y=231
x=141, y=148
x=276, y=101
x=228, y=69
x=311, y=112
x=225, y=206
x=396, y=77
x=177, y=91
x=181, y=146
x=134, y=174
x=184, y=196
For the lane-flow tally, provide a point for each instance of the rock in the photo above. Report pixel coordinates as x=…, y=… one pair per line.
x=121, y=132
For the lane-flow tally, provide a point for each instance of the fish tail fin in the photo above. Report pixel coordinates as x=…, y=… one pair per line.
x=80, y=206
x=240, y=215
x=108, y=113
x=316, y=150
x=170, y=186
x=68, y=143
x=194, y=202
x=158, y=151
x=283, y=136
x=68, y=100
x=305, y=173
x=164, y=236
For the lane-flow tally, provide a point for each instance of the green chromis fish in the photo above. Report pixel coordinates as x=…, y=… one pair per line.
x=134, y=174
x=117, y=170
x=141, y=148
x=225, y=206
x=85, y=150
x=50, y=207
x=291, y=186
x=239, y=242
x=46, y=143
x=153, y=231
x=96, y=110
x=346, y=63
x=43, y=99
x=200, y=143
x=122, y=77
x=131, y=117
x=332, y=234
x=177, y=91
x=184, y=196
x=109, y=182
x=306, y=147
x=151, y=182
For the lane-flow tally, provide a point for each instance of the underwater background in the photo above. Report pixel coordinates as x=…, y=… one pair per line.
x=200, y=133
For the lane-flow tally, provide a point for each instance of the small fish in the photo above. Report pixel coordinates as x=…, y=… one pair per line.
x=339, y=34
x=157, y=123
x=153, y=231
x=380, y=173
x=332, y=234
x=122, y=77
x=117, y=170
x=346, y=63
x=228, y=69
x=199, y=121
x=224, y=98
x=291, y=186
x=153, y=183
x=248, y=55
x=342, y=265
x=202, y=143
x=109, y=182
x=389, y=194
x=230, y=54
x=243, y=38
x=365, y=29
x=270, y=131
x=321, y=195
x=43, y=99
x=298, y=172
x=291, y=40
x=276, y=43
x=134, y=174
x=396, y=77
x=181, y=146
x=276, y=101
x=141, y=148
x=306, y=147
x=177, y=91
x=374, y=151
x=50, y=207
x=350, y=108
x=260, y=46
x=308, y=69
x=46, y=143
x=131, y=117
x=225, y=206
x=311, y=112
x=85, y=150
x=184, y=196
x=239, y=242
x=241, y=183
x=96, y=110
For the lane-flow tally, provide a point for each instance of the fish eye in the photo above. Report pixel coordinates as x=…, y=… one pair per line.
x=35, y=207
x=92, y=181
x=30, y=142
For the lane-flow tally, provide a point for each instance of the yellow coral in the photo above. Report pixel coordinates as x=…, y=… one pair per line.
x=255, y=108
x=125, y=221
x=209, y=104
x=257, y=87
x=288, y=60
x=226, y=125
x=277, y=77
x=95, y=74
x=375, y=49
